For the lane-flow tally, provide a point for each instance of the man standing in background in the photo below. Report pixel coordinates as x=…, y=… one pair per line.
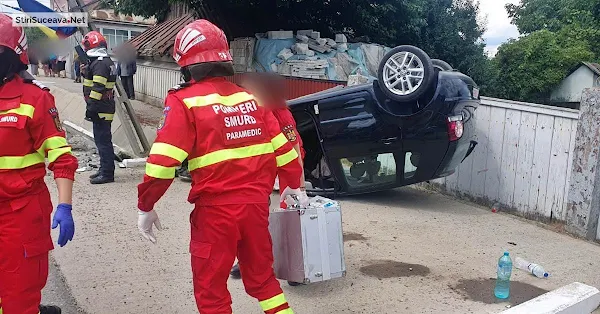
x=127, y=67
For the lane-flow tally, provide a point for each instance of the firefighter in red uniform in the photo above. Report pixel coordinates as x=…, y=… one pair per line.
x=235, y=150
x=30, y=131
x=269, y=88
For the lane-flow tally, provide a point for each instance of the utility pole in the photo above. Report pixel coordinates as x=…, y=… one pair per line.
x=133, y=129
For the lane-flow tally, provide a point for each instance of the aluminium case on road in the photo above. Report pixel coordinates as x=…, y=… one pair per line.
x=308, y=244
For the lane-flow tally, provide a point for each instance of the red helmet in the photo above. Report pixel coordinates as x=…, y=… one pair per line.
x=93, y=40
x=200, y=42
x=13, y=37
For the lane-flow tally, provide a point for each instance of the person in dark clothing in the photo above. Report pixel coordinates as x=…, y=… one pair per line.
x=127, y=68
x=99, y=78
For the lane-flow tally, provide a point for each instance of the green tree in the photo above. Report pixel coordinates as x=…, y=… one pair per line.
x=570, y=18
x=530, y=67
x=34, y=35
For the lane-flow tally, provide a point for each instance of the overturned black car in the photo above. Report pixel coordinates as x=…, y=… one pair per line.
x=413, y=124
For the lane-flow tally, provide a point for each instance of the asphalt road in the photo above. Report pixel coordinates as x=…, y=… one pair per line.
x=407, y=251
x=57, y=292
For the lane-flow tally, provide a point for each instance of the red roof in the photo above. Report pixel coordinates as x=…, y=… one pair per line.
x=158, y=40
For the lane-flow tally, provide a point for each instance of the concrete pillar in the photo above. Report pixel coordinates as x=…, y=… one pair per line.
x=583, y=204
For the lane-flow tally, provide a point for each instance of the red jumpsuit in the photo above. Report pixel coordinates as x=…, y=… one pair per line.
x=30, y=131
x=288, y=127
x=235, y=150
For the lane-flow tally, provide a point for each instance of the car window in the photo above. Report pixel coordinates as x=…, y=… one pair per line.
x=369, y=170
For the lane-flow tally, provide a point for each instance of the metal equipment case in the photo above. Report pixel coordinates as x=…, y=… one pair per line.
x=308, y=243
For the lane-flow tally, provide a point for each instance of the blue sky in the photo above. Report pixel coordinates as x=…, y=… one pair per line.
x=499, y=28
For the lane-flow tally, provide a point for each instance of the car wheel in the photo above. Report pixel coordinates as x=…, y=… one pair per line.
x=441, y=65
x=405, y=73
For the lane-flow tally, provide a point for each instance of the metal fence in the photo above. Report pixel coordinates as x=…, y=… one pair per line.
x=523, y=160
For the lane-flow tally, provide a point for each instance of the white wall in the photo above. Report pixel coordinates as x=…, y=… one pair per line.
x=523, y=159
x=570, y=89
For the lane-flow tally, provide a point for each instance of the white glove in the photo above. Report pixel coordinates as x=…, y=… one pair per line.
x=145, y=222
x=296, y=194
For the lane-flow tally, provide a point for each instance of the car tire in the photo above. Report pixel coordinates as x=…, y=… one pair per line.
x=396, y=79
x=441, y=65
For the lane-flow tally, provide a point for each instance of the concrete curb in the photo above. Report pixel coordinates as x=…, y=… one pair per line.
x=575, y=298
x=81, y=131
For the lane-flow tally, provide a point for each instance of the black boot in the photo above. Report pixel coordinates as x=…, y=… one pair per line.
x=102, y=179
x=95, y=175
x=235, y=272
x=184, y=175
x=50, y=309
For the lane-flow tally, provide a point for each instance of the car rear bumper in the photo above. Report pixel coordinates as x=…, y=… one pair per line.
x=457, y=152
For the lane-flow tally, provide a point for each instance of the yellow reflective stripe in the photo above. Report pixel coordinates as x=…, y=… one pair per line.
x=55, y=153
x=106, y=116
x=168, y=150
x=88, y=83
x=100, y=79
x=286, y=158
x=213, y=99
x=20, y=162
x=273, y=302
x=110, y=85
x=160, y=172
x=23, y=110
x=279, y=141
x=52, y=143
x=286, y=311
x=229, y=154
x=95, y=95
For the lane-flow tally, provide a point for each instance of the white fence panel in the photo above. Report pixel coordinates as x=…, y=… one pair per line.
x=523, y=160
x=155, y=81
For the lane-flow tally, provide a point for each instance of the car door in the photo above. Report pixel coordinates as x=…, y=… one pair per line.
x=360, y=146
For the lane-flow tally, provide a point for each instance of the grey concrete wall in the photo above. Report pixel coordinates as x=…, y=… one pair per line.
x=71, y=107
x=583, y=208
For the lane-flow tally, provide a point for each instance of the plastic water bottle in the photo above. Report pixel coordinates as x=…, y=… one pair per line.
x=502, y=289
x=532, y=268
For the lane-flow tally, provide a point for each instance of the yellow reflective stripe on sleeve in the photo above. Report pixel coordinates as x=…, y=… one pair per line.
x=55, y=153
x=229, y=154
x=110, y=85
x=88, y=83
x=286, y=158
x=100, y=79
x=23, y=110
x=168, y=150
x=20, y=162
x=160, y=172
x=106, y=116
x=52, y=143
x=95, y=95
x=278, y=141
x=273, y=302
x=214, y=99
x=286, y=311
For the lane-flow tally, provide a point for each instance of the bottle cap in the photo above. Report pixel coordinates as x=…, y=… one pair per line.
x=505, y=253
x=546, y=275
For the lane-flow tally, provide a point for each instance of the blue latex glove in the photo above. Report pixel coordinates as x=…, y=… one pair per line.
x=63, y=217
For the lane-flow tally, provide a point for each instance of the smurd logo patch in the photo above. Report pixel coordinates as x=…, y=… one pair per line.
x=54, y=114
x=161, y=123
x=289, y=132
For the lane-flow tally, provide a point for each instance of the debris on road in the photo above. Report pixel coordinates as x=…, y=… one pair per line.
x=534, y=269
